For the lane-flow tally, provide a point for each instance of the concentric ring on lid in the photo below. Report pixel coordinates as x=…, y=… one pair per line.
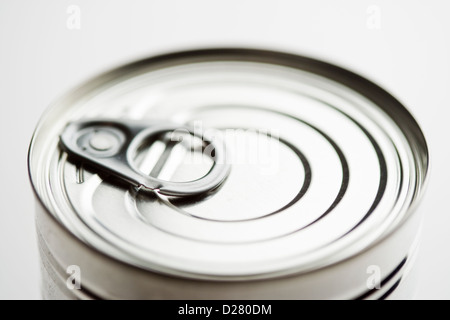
x=320, y=168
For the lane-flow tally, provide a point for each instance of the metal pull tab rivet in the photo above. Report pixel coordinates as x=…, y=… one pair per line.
x=111, y=146
x=102, y=141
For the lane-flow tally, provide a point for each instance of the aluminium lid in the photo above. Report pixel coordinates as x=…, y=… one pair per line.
x=323, y=164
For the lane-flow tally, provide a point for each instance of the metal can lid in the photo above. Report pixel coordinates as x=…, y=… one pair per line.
x=323, y=164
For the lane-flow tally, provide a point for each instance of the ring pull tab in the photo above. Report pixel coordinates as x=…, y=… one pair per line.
x=111, y=146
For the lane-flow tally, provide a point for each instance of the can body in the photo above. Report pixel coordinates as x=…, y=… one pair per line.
x=372, y=257
x=133, y=283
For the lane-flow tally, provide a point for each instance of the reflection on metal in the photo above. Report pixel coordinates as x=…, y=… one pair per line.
x=316, y=175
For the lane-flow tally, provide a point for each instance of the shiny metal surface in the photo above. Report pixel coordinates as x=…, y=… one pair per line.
x=338, y=176
x=113, y=146
x=107, y=278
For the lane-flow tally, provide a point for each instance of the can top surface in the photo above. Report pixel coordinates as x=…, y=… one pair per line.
x=341, y=167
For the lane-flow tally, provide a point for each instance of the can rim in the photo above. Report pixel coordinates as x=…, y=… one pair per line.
x=411, y=129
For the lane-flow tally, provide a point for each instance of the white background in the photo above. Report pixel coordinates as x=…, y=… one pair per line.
x=40, y=58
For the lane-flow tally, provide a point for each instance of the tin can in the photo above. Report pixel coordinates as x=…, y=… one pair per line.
x=228, y=174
